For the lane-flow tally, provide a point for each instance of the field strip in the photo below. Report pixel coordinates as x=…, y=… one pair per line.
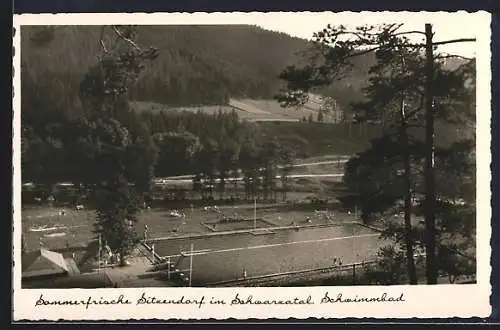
x=244, y=106
x=326, y=162
x=293, y=176
x=207, y=251
x=35, y=229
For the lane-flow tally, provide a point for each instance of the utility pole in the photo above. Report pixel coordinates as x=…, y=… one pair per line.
x=168, y=269
x=354, y=273
x=191, y=265
x=99, y=255
x=255, y=214
x=430, y=198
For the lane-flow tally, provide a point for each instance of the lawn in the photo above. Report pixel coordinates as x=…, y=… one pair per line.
x=57, y=231
x=247, y=109
x=319, y=169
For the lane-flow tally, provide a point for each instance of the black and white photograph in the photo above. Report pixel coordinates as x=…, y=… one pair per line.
x=266, y=150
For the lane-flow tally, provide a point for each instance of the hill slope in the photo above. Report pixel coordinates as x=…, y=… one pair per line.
x=197, y=64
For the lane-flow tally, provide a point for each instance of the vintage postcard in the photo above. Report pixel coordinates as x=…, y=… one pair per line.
x=251, y=165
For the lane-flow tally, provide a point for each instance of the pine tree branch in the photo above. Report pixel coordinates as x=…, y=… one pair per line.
x=128, y=40
x=378, y=191
x=409, y=32
x=363, y=52
x=458, y=252
x=444, y=56
x=439, y=43
x=412, y=113
x=452, y=41
x=101, y=41
x=362, y=35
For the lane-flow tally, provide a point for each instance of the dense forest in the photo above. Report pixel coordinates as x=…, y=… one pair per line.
x=214, y=147
x=197, y=65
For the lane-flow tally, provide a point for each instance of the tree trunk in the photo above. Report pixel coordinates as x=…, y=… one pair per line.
x=412, y=273
x=212, y=186
x=122, y=258
x=410, y=262
x=222, y=187
x=430, y=193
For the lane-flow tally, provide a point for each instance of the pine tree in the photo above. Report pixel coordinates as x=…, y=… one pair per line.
x=404, y=81
x=104, y=90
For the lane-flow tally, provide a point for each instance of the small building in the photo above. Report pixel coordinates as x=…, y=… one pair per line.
x=43, y=264
x=95, y=280
x=49, y=269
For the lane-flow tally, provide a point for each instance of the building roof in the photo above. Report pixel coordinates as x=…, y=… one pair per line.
x=43, y=262
x=91, y=251
x=72, y=266
x=80, y=281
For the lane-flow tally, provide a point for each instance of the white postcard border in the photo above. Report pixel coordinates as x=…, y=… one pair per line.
x=420, y=301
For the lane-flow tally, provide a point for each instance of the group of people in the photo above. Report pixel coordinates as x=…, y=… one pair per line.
x=214, y=209
x=337, y=261
x=177, y=214
x=107, y=257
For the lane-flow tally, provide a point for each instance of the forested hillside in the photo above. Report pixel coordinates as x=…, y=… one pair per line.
x=196, y=64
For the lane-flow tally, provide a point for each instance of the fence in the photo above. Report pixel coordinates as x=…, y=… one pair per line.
x=350, y=272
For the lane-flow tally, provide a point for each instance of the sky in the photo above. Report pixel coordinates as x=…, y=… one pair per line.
x=445, y=26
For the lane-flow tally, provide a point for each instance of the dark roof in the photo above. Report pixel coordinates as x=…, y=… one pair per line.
x=72, y=267
x=43, y=262
x=91, y=251
x=83, y=281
